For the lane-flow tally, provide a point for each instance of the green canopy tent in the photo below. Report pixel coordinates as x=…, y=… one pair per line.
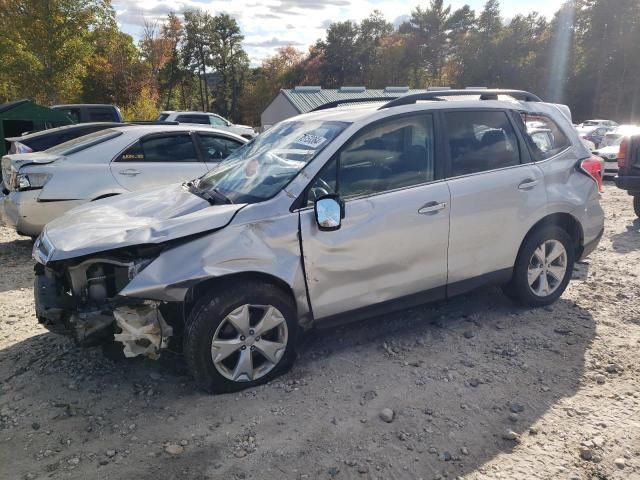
x=25, y=116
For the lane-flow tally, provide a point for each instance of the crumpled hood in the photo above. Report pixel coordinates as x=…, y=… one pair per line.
x=148, y=217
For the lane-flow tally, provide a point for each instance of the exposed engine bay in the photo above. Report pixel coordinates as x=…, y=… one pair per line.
x=81, y=297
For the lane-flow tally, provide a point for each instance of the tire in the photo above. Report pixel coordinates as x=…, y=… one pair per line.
x=216, y=314
x=527, y=266
x=636, y=205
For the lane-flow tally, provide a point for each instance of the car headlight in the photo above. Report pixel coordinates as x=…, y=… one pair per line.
x=30, y=181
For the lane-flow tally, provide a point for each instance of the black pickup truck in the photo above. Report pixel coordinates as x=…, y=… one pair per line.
x=629, y=169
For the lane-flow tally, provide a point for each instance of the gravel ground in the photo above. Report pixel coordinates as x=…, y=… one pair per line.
x=474, y=388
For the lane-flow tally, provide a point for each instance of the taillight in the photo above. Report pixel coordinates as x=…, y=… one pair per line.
x=593, y=167
x=622, y=154
x=21, y=148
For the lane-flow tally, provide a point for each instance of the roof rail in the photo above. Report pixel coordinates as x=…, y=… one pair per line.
x=151, y=122
x=485, y=94
x=342, y=101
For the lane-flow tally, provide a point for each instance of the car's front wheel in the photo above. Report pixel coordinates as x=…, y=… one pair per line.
x=543, y=268
x=636, y=205
x=240, y=336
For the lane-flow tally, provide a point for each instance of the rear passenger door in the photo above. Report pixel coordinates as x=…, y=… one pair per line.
x=497, y=195
x=158, y=159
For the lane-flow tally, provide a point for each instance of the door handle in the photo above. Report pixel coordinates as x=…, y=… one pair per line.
x=432, y=207
x=129, y=172
x=527, y=184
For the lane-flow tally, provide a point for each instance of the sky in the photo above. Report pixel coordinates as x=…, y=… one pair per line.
x=270, y=24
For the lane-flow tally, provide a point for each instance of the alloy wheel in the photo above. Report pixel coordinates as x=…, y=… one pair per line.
x=547, y=268
x=249, y=342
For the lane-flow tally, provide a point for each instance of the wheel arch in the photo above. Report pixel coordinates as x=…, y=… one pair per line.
x=229, y=281
x=567, y=222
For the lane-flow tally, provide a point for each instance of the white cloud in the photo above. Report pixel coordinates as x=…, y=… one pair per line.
x=269, y=24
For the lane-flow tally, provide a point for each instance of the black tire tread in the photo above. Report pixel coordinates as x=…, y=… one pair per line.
x=518, y=289
x=198, y=332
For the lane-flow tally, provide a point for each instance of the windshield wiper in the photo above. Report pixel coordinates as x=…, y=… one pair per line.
x=192, y=188
x=213, y=196
x=222, y=196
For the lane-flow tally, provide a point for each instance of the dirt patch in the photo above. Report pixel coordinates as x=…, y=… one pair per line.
x=477, y=388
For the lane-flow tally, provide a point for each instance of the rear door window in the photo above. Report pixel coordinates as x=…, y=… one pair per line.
x=480, y=141
x=543, y=136
x=216, y=147
x=199, y=119
x=162, y=149
x=101, y=114
x=72, y=113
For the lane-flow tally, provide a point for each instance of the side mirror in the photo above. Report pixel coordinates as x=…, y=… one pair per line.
x=329, y=211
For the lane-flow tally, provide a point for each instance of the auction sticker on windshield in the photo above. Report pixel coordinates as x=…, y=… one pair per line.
x=310, y=140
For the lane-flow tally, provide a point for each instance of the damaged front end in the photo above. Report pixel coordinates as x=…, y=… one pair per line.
x=81, y=297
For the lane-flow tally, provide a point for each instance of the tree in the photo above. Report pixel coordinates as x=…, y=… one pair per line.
x=46, y=46
x=196, y=49
x=431, y=29
x=339, y=52
x=370, y=32
x=228, y=60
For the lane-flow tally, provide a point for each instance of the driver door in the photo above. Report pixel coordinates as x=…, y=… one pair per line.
x=392, y=242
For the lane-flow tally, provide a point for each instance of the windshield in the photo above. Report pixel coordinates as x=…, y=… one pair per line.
x=590, y=123
x=83, y=142
x=264, y=166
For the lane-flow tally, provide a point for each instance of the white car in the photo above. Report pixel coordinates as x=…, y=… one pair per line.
x=611, y=146
x=206, y=118
x=599, y=123
x=43, y=185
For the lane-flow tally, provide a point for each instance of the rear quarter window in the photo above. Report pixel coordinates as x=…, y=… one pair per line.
x=84, y=142
x=543, y=136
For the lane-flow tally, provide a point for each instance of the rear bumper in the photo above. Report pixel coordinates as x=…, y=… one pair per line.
x=610, y=166
x=630, y=183
x=28, y=216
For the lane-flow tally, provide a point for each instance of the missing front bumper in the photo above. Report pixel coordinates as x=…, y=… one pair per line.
x=140, y=327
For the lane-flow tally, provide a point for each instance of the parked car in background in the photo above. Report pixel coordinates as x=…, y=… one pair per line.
x=205, y=118
x=43, y=185
x=330, y=216
x=628, y=177
x=91, y=112
x=611, y=146
x=599, y=123
x=594, y=134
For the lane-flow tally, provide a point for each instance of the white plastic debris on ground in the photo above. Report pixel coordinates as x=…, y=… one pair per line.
x=144, y=330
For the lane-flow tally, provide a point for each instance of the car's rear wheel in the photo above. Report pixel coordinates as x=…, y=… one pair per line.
x=543, y=268
x=636, y=205
x=240, y=337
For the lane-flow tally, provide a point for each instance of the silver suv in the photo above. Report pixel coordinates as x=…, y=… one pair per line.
x=330, y=216
x=205, y=118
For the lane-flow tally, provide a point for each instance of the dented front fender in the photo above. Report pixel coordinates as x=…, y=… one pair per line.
x=268, y=247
